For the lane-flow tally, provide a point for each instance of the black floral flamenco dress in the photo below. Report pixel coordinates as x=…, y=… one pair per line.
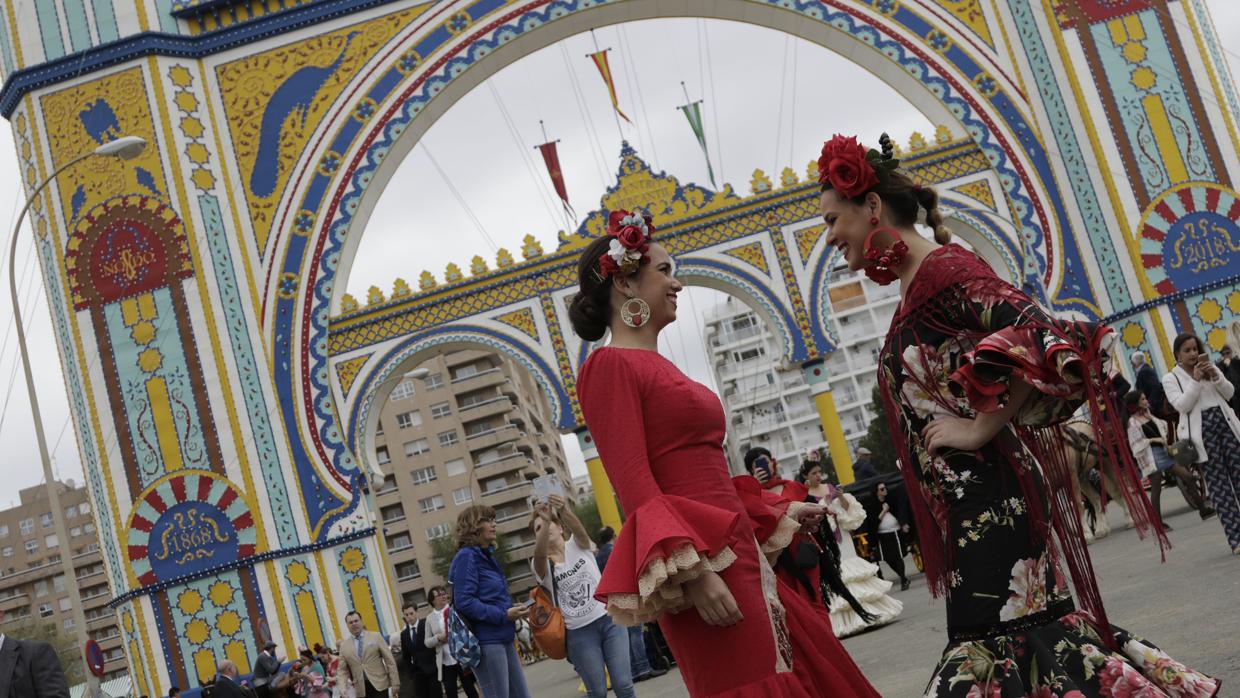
x=998, y=525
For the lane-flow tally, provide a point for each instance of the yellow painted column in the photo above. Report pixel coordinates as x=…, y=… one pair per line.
x=604, y=495
x=820, y=387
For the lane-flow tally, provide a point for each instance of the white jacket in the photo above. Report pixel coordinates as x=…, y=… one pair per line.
x=1190, y=398
x=436, y=626
x=1142, y=450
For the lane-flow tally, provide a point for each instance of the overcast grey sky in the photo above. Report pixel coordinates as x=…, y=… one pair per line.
x=483, y=151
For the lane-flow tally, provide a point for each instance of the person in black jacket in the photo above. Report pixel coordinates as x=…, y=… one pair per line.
x=417, y=660
x=887, y=522
x=228, y=684
x=29, y=669
x=1229, y=366
x=1150, y=384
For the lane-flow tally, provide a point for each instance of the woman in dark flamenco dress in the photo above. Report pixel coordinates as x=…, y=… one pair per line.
x=980, y=377
x=688, y=555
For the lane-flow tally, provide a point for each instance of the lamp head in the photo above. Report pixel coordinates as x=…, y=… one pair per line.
x=125, y=147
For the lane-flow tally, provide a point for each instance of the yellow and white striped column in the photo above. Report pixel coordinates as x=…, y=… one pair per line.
x=820, y=387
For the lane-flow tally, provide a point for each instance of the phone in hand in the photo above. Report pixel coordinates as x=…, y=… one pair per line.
x=527, y=604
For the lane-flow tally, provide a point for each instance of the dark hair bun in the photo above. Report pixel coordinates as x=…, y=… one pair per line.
x=588, y=319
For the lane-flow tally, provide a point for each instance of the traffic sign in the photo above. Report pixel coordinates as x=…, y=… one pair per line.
x=94, y=658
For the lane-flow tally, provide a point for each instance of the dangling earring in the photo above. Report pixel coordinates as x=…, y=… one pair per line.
x=635, y=316
x=883, y=262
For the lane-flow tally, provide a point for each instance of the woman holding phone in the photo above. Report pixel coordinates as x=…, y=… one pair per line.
x=1200, y=393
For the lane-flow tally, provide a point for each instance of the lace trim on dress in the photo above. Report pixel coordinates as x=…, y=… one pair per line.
x=779, y=621
x=787, y=528
x=661, y=586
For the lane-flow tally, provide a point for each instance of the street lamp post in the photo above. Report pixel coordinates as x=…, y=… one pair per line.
x=125, y=148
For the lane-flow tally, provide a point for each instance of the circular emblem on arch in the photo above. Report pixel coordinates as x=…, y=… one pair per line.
x=123, y=247
x=186, y=523
x=1190, y=236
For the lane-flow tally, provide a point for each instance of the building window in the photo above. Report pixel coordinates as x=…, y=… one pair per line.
x=476, y=428
x=433, y=381
x=388, y=485
x=441, y=410
x=748, y=354
x=8, y=551
x=45, y=610
x=448, y=438
x=70, y=512
x=46, y=520
x=75, y=532
x=462, y=496
x=88, y=528
x=416, y=447
x=465, y=372
x=27, y=526
x=404, y=420
x=392, y=513
x=438, y=531
x=432, y=503
x=69, y=624
x=381, y=455
x=65, y=605
x=83, y=508
x=379, y=429
x=32, y=547
x=50, y=541
x=408, y=570
x=422, y=476
x=417, y=599
x=40, y=587
x=456, y=466
x=399, y=542
x=4, y=531
x=402, y=391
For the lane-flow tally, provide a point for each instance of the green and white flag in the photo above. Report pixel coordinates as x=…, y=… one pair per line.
x=693, y=112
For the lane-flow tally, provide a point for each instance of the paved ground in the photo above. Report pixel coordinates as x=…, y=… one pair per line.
x=1187, y=606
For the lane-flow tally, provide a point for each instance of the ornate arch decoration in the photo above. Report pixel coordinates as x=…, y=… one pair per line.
x=381, y=117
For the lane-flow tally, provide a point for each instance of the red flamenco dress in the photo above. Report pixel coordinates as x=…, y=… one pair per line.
x=659, y=435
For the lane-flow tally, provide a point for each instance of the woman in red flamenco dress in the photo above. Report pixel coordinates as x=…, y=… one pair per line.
x=688, y=555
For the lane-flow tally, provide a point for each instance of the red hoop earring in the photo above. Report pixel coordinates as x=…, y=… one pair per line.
x=883, y=261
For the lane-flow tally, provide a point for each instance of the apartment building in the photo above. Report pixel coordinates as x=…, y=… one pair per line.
x=770, y=405
x=475, y=428
x=32, y=586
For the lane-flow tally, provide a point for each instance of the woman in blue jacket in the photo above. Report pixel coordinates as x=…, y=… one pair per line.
x=480, y=596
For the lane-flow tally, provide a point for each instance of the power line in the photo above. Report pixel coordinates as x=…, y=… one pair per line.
x=524, y=153
x=469, y=212
x=641, y=99
x=715, y=99
x=583, y=109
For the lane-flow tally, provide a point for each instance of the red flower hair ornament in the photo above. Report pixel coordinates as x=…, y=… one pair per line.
x=851, y=169
x=630, y=241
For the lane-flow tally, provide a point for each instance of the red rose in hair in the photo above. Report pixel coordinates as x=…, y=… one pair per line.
x=844, y=166
x=607, y=266
x=632, y=238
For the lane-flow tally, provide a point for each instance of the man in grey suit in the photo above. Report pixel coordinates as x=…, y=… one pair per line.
x=227, y=683
x=30, y=669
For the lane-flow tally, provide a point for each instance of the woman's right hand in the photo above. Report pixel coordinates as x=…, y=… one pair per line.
x=713, y=600
x=518, y=612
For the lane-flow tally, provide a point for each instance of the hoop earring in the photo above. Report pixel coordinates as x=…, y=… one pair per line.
x=883, y=262
x=635, y=317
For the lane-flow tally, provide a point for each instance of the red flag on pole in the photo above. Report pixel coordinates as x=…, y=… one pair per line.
x=552, y=160
x=600, y=62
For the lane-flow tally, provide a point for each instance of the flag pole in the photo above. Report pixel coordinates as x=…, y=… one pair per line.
x=559, y=187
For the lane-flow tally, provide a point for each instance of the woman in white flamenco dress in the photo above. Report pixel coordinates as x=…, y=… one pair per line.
x=860, y=577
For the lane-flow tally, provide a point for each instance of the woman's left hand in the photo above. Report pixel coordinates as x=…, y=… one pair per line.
x=810, y=516
x=952, y=432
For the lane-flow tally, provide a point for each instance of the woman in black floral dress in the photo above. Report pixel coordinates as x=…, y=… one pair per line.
x=980, y=377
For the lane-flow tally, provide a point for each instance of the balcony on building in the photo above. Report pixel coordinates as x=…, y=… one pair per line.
x=493, y=493
x=483, y=407
x=466, y=356
x=492, y=437
x=484, y=378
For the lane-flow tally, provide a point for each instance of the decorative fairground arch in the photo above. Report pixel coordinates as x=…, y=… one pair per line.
x=766, y=248
x=191, y=289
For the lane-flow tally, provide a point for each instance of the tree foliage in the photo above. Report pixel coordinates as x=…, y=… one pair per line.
x=65, y=644
x=587, y=512
x=878, y=437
